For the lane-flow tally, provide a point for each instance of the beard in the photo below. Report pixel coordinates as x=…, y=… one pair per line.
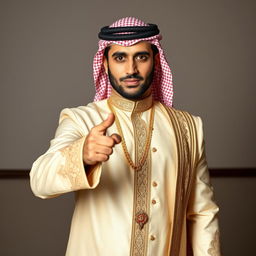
x=131, y=96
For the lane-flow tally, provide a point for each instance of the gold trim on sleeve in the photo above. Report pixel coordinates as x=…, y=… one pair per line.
x=214, y=250
x=73, y=169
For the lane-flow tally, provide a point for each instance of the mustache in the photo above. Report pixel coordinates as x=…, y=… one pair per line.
x=135, y=76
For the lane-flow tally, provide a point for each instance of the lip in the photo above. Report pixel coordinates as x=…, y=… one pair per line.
x=131, y=81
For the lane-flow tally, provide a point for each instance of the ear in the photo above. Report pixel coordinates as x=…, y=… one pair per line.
x=105, y=64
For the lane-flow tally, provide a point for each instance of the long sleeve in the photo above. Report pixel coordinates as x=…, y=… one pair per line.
x=61, y=168
x=202, y=211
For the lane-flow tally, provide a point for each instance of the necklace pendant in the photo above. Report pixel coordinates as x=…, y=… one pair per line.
x=141, y=218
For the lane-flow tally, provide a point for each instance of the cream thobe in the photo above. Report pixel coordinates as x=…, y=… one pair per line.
x=103, y=216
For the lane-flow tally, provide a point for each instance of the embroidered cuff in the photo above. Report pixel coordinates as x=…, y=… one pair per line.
x=73, y=168
x=214, y=249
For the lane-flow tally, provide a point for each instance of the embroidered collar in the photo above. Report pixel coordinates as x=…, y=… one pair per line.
x=122, y=103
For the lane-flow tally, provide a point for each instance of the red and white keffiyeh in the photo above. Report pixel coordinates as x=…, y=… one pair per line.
x=162, y=87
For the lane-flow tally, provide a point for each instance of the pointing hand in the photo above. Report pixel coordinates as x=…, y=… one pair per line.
x=98, y=147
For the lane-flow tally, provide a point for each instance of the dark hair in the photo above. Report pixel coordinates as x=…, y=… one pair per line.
x=153, y=47
x=106, y=52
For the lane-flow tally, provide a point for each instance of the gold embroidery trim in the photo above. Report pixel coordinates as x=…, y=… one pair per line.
x=129, y=105
x=139, y=237
x=192, y=152
x=185, y=134
x=73, y=168
x=214, y=249
x=179, y=199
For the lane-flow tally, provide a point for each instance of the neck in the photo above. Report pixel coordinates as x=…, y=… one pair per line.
x=138, y=105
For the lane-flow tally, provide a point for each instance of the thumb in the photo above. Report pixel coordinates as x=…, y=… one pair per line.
x=102, y=127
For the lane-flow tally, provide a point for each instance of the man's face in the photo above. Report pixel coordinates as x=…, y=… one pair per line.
x=130, y=69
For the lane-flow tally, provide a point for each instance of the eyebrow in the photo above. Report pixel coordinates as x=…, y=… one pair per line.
x=115, y=54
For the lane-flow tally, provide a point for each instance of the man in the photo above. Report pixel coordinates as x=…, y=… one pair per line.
x=136, y=164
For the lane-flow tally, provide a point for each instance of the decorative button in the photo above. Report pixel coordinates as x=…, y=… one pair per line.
x=154, y=184
x=152, y=238
x=141, y=218
x=153, y=201
x=154, y=149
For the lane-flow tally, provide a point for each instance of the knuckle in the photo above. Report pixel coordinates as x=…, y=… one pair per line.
x=91, y=139
x=88, y=139
x=91, y=155
x=89, y=148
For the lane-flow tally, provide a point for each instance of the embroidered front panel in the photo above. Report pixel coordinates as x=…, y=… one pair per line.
x=73, y=167
x=214, y=250
x=141, y=191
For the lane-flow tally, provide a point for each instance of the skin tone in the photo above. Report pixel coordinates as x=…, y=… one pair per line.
x=97, y=146
x=131, y=71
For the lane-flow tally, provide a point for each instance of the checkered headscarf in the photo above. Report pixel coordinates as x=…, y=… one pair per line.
x=162, y=87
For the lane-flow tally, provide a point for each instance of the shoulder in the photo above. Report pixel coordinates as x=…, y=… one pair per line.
x=184, y=117
x=91, y=113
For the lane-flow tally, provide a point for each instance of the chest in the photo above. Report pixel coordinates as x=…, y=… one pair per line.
x=160, y=145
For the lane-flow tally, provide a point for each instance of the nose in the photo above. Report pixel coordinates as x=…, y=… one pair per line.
x=131, y=67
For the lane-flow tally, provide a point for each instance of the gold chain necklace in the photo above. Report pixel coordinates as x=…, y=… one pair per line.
x=124, y=146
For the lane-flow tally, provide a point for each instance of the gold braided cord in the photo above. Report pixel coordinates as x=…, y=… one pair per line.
x=124, y=146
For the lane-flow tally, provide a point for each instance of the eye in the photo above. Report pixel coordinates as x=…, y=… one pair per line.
x=119, y=58
x=142, y=57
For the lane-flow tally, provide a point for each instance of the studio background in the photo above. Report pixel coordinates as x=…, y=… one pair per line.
x=46, y=54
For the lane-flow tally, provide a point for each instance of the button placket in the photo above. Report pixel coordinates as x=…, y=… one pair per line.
x=153, y=200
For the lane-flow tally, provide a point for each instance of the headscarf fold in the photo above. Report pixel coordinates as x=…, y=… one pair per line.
x=162, y=86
